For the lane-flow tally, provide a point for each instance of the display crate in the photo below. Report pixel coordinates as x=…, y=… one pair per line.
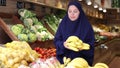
x=5, y=24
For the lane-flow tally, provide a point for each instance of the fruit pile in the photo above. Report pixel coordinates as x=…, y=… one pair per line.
x=81, y=63
x=46, y=52
x=16, y=53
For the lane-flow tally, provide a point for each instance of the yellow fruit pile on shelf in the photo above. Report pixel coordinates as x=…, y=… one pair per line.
x=76, y=44
x=16, y=53
x=82, y=63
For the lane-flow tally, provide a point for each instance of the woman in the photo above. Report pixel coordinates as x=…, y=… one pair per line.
x=74, y=23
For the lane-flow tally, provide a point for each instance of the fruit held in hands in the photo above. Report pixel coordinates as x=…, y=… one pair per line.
x=76, y=44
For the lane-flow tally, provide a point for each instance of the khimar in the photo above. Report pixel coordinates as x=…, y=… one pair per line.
x=80, y=28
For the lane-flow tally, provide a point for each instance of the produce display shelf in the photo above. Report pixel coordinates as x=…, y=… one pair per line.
x=49, y=28
x=42, y=4
x=6, y=23
x=6, y=28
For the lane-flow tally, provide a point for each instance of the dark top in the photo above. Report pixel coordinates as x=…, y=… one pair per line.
x=80, y=28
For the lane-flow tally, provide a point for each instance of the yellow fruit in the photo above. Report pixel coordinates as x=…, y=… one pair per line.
x=24, y=62
x=62, y=66
x=64, y=59
x=100, y=65
x=75, y=44
x=74, y=49
x=86, y=46
x=67, y=61
x=16, y=65
x=79, y=62
x=17, y=59
x=71, y=44
x=72, y=39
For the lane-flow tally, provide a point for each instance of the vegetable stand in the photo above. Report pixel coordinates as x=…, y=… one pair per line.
x=14, y=20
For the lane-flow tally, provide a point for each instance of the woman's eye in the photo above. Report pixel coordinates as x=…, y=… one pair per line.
x=69, y=11
x=75, y=11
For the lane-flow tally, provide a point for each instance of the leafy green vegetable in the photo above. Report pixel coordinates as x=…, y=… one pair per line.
x=26, y=31
x=26, y=13
x=17, y=29
x=28, y=22
x=32, y=37
x=23, y=37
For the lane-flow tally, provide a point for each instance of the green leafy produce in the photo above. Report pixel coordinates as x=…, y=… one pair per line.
x=28, y=22
x=32, y=37
x=26, y=13
x=26, y=31
x=35, y=20
x=33, y=29
x=42, y=36
x=23, y=37
x=17, y=29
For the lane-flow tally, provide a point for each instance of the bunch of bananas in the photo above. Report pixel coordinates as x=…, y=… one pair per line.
x=100, y=65
x=78, y=63
x=75, y=44
x=81, y=63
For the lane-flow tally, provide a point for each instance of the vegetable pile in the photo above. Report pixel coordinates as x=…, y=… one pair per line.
x=32, y=29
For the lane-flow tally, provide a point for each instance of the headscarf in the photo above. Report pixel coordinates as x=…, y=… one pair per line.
x=81, y=25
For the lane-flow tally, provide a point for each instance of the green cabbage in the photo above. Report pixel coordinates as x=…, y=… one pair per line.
x=17, y=29
x=23, y=37
x=32, y=37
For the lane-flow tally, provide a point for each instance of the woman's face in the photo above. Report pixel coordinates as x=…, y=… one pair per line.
x=73, y=13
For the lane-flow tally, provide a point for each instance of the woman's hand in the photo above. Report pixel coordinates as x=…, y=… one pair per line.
x=65, y=45
x=70, y=48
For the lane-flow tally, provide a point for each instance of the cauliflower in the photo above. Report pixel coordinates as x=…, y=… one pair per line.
x=26, y=13
x=28, y=22
x=33, y=29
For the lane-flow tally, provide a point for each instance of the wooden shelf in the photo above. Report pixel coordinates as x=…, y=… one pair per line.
x=42, y=4
x=6, y=28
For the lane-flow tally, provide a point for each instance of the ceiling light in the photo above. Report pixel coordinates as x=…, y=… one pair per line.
x=79, y=0
x=95, y=6
x=89, y=3
x=104, y=10
x=100, y=8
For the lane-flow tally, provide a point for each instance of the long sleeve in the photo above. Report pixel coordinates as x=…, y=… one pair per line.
x=89, y=39
x=58, y=41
